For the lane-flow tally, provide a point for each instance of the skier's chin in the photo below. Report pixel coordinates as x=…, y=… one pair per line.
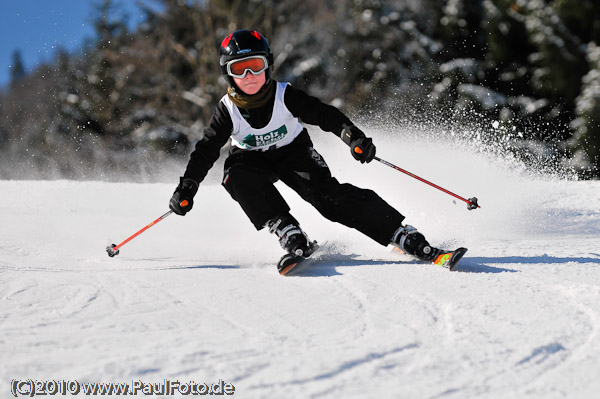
x=251, y=89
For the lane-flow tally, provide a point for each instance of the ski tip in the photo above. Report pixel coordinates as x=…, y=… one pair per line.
x=449, y=259
x=456, y=256
x=286, y=270
x=288, y=262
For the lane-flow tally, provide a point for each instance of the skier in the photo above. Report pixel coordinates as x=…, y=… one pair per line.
x=261, y=116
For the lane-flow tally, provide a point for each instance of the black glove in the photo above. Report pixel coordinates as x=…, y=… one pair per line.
x=361, y=147
x=182, y=200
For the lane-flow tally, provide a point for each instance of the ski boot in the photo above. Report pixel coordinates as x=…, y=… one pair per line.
x=407, y=239
x=293, y=240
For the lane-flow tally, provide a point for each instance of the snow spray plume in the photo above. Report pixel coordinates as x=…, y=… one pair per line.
x=497, y=141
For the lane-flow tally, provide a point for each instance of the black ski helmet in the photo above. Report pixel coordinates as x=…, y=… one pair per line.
x=244, y=43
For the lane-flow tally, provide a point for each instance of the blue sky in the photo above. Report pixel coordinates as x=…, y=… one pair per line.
x=39, y=27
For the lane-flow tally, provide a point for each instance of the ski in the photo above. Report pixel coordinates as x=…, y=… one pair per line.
x=447, y=259
x=289, y=263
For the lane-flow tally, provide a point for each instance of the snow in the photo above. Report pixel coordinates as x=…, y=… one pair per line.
x=199, y=298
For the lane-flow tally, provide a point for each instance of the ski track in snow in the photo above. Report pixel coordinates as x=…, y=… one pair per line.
x=198, y=298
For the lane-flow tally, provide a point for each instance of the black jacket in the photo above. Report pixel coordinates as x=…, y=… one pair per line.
x=307, y=108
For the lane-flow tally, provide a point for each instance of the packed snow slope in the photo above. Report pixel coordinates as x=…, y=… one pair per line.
x=198, y=298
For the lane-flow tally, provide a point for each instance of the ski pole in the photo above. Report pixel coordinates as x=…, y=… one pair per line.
x=471, y=202
x=114, y=249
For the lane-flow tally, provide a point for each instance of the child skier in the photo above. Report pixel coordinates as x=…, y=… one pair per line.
x=261, y=116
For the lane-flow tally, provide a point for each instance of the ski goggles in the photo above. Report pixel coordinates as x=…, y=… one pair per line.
x=255, y=64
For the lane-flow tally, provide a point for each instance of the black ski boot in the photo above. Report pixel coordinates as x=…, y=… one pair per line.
x=291, y=237
x=293, y=240
x=409, y=240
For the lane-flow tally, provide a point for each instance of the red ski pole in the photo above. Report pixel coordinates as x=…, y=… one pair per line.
x=113, y=249
x=471, y=202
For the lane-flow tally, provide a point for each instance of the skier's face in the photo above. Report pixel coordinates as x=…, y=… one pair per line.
x=251, y=84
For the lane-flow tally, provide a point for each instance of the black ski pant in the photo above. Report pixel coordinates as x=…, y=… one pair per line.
x=250, y=176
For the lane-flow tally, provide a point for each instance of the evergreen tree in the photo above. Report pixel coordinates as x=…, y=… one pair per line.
x=17, y=70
